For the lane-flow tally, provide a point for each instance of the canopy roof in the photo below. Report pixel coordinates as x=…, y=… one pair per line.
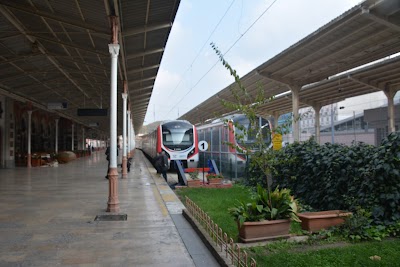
x=57, y=51
x=368, y=32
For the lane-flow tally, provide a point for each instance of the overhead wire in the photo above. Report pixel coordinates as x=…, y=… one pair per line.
x=237, y=40
x=201, y=49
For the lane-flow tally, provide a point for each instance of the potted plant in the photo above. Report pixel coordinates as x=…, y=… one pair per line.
x=315, y=221
x=195, y=181
x=267, y=216
x=36, y=160
x=213, y=178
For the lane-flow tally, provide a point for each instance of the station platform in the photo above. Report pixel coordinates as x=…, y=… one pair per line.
x=48, y=218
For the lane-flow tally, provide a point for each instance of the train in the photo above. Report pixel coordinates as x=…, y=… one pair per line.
x=179, y=140
x=220, y=133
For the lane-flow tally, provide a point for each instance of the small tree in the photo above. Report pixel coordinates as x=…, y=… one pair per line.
x=260, y=152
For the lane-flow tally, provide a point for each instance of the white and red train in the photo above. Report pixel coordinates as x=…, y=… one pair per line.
x=222, y=132
x=178, y=138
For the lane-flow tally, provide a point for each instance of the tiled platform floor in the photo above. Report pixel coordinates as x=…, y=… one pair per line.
x=47, y=218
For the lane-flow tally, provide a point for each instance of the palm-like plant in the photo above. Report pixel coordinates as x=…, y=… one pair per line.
x=267, y=205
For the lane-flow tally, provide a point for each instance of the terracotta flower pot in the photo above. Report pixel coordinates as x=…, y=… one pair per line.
x=315, y=221
x=264, y=230
x=194, y=183
x=215, y=181
x=35, y=162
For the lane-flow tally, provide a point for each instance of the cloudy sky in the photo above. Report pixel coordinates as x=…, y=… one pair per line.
x=253, y=32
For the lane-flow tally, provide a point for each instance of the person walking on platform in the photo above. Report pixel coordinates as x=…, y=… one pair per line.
x=164, y=165
x=157, y=162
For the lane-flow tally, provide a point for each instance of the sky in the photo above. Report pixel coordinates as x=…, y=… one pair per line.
x=249, y=31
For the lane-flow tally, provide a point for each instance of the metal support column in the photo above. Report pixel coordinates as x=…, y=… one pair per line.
x=124, y=159
x=113, y=202
x=83, y=138
x=56, y=141
x=129, y=133
x=29, y=156
x=72, y=137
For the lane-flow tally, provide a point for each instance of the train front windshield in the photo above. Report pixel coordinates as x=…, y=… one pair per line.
x=177, y=135
x=250, y=138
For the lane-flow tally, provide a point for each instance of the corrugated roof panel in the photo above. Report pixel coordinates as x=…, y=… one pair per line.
x=160, y=10
x=66, y=9
x=81, y=66
x=133, y=13
x=40, y=5
x=94, y=13
x=157, y=38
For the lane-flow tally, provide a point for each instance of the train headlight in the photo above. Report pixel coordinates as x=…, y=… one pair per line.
x=191, y=152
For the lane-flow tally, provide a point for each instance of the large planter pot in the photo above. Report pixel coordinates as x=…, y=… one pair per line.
x=215, y=181
x=264, y=230
x=194, y=183
x=315, y=221
x=35, y=162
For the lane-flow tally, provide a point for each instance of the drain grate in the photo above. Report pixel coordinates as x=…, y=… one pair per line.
x=112, y=217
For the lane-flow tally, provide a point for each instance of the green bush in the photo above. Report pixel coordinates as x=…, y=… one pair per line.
x=334, y=176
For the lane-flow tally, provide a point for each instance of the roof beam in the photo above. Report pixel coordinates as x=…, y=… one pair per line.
x=142, y=97
x=381, y=20
x=140, y=102
x=85, y=63
x=145, y=53
x=57, y=18
x=20, y=57
x=143, y=68
x=364, y=83
x=277, y=79
x=143, y=80
x=135, y=90
x=94, y=51
x=146, y=28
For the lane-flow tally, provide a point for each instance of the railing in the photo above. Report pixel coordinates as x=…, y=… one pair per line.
x=222, y=241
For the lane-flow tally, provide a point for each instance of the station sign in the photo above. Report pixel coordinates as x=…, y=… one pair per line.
x=277, y=141
x=203, y=145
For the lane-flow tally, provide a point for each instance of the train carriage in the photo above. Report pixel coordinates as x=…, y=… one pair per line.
x=178, y=138
x=219, y=134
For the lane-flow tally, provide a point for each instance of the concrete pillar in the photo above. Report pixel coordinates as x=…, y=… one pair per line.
x=72, y=136
x=113, y=202
x=276, y=117
x=124, y=159
x=29, y=156
x=317, y=123
x=56, y=141
x=390, y=93
x=295, y=105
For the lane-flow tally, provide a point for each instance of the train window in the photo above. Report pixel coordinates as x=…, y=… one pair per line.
x=215, y=143
x=177, y=135
x=249, y=139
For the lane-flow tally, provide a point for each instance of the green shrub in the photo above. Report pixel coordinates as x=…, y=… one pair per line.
x=334, y=176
